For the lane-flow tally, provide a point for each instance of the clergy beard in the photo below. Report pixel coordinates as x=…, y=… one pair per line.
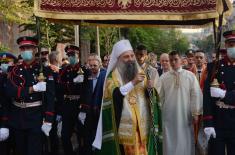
x=127, y=70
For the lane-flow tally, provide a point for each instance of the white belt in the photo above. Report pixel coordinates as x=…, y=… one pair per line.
x=27, y=105
x=224, y=106
x=72, y=97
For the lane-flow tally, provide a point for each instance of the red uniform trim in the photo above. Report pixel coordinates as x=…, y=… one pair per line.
x=209, y=117
x=25, y=65
x=27, y=42
x=84, y=106
x=230, y=36
x=49, y=113
x=4, y=118
x=18, y=92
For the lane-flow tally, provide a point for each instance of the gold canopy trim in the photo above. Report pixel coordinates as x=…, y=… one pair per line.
x=177, y=10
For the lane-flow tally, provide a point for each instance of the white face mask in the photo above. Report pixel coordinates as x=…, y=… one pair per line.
x=231, y=52
x=4, y=67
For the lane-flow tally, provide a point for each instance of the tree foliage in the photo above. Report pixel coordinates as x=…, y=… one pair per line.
x=108, y=36
x=159, y=40
x=3, y=48
x=17, y=11
x=207, y=44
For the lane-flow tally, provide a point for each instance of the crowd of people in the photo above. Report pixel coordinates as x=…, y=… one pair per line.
x=127, y=103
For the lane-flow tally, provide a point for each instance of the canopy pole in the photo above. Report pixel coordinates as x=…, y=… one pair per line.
x=76, y=35
x=219, y=35
x=97, y=40
x=38, y=34
x=218, y=44
x=215, y=36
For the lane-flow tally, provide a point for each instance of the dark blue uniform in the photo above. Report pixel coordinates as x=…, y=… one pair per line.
x=222, y=118
x=73, y=97
x=54, y=140
x=25, y=121
x=4, y=103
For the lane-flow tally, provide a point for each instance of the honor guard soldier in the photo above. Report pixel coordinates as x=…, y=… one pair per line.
x=74, y=89
x=31, y=88
x=54, y=138
x=6, y=60
x=219, y=101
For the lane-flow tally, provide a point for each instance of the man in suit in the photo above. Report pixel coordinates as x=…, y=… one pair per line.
x=92, y=116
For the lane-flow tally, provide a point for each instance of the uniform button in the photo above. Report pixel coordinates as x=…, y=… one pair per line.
x=31, y=98
x=21, y=83
x=222, y=73
x=222, y=65
x=21, y=69
x=21, y=75
x=33, y=74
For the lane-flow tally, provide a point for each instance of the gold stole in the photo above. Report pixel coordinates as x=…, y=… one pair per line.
x=135, y=115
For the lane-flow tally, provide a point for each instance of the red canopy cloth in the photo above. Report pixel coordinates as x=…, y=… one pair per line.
x=133, y=11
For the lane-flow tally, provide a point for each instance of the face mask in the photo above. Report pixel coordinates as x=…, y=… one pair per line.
x=73, y=60
x=231, y=52
x=4, y=67
x=27, y=55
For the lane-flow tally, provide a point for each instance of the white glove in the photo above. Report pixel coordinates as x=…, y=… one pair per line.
x=217, y=92
x=58, y=118
x=40, y=87
x=59, y=129
x=4, y=134
x=78, y=79
x=82, y=117
x=210, y=131
x=46, y=128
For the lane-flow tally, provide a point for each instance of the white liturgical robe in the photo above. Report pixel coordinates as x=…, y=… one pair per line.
x=181, y=99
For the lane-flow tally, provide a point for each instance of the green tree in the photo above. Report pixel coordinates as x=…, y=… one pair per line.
x=159, y=40
x=16, y=11
x=207, y=44
x=108, y=36
x=3, y=48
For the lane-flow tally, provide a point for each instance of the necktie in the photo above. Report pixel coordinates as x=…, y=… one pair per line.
x=199, y=75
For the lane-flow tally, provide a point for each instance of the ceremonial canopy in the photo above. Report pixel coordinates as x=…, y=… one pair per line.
x=157, y=12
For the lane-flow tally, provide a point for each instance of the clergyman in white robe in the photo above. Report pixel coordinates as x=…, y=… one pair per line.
x=181, y=99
